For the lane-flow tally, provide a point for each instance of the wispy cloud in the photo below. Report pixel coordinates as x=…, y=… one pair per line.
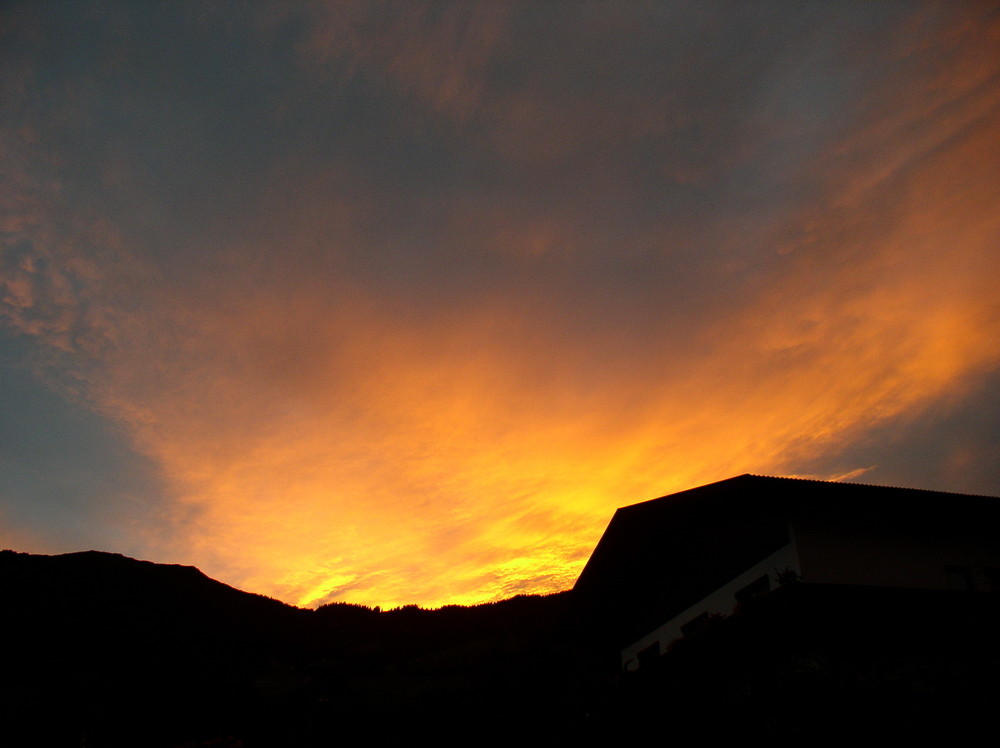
x=402, y=305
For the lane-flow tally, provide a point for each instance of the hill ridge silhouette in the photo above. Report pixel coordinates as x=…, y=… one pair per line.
x=110, y=651
x=119, y=647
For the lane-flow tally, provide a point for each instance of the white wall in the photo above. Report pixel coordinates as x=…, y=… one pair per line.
x=720, y=602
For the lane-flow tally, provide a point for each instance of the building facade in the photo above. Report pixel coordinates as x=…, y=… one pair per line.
x=664, y=568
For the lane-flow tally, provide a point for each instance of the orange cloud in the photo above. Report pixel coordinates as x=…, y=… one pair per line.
x=332, y=427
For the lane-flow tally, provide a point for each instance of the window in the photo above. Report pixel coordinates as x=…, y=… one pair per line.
x=960, y=578
x=756, y=588
x=694, y=625
x=648, y=655
x=992, y=576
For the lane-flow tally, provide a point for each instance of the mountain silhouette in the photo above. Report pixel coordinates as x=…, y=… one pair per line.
x=107, y=651
x=110, y=651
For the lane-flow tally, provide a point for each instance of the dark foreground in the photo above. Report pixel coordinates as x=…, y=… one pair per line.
x=101, y=650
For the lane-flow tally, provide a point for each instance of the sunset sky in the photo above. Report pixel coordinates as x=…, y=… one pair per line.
x=396, y=302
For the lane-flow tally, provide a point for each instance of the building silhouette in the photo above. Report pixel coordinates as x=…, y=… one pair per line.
x=666, y=568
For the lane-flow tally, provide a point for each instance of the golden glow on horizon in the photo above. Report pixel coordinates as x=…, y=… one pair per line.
x=464, y=477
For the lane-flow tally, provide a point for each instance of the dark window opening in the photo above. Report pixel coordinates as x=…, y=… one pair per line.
x=694, y=625
x=992, y=575
x=648, y=655
x=960, y=578
x=756, y=588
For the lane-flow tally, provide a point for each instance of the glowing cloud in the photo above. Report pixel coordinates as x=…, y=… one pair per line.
x=401, y=311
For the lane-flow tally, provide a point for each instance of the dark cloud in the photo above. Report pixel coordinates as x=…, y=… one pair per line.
x=69, y=479
x=952, y=446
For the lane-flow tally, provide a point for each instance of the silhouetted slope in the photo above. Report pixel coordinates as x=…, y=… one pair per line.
x=458, y=671
x=106, y=651
x=109, y=651
x=111, y=581
x=104, y=647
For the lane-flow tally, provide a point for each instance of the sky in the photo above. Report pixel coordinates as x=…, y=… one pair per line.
x=396, y=302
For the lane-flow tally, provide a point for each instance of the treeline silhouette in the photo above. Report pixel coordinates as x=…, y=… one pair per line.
x=109, y=651
x=103, y=650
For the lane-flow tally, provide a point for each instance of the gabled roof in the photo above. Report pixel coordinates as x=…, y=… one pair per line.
x=794, y=489
x=659, y=556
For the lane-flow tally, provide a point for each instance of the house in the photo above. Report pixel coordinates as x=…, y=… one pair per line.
x=666, y=567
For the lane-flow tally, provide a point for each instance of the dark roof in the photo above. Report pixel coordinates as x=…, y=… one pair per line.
x=796, y=489
x=659, y=556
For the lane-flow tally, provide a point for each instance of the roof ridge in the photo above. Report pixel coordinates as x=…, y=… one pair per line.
x=866, y=485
